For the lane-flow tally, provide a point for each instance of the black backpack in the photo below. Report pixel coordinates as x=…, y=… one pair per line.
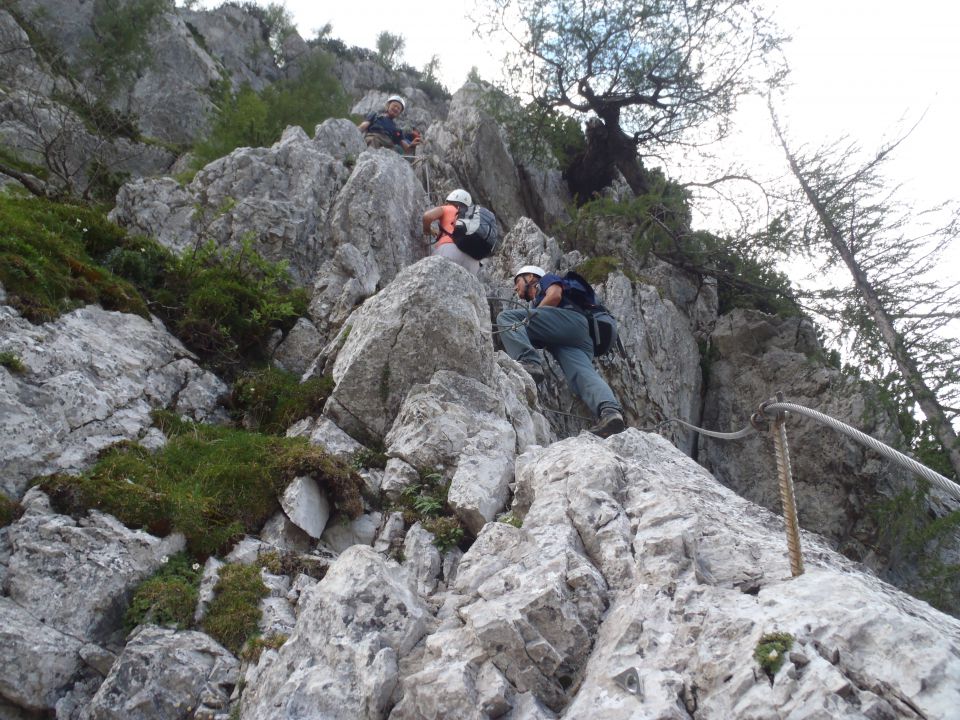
x=475, y=233
x=602, y=325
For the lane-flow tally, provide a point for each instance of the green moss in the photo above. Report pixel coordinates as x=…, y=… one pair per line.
x=169, y=598
x=771, y=651
x=251, y=652
x=234, y=612
x=426, y=502
x=9, y=510
x=510, y=519
x=47, y=259
x=211, y=483
x=597, y=269
x=12, y=362
x=369, y=458
x=274, y=399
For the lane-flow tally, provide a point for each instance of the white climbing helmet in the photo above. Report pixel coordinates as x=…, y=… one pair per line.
x=397, y=98
x=460, y=196
x=531, y=270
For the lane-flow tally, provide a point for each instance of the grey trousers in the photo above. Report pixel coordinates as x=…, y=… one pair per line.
x=563, y=333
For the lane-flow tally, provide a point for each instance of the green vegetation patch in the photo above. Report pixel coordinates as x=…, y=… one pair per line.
x=9, y=510
x=224, y=303
x=12, y=362
x=907, y=532
x=426, y=502
x=47, y=263
x=169, y=597
x=234, y=612
x=657, y=225
x=212, y=483
x=596, y=270
x=771, y=651
x=252, y=119
x=272, y=399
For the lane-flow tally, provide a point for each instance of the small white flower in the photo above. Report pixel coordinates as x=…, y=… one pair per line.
x=84, y=229
x=196, y=566
x=164, y=560
x=773, y=655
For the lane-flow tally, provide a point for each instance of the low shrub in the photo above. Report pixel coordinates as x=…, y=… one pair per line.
x=167, y=598
x=271, y=399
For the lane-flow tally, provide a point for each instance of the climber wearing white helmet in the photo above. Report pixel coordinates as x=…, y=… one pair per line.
x=441, y=235
x=381, y=130
x=561, y=328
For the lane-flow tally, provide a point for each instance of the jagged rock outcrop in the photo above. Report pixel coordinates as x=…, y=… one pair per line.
x=163, y=674
x=836, y=478
x=401, y=337
x=342, y=659
x=92, y=379
x=630, y=548
x=66, y=587
x=279, y=197
x=235, y=39
x=624, y=581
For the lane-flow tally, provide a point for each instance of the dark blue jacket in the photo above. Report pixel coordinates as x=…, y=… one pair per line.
x=552, y=279
x=384, y=125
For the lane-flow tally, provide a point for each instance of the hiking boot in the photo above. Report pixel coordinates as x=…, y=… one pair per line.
x=611, y=422
x=535, y=370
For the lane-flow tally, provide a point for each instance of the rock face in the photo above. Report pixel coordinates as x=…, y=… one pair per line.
x=92, y=379
x=631, y=557
x=836, y=479
x=401, y=336
x=164, y=674
x=594, y=578
x=342, y=659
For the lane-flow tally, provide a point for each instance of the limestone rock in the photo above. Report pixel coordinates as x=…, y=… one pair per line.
x=341, y=660
x=280, y=195
x=759, y=355
x=163, y=674
x=306, y=505
x=323, y=432
x=361, y=531
x=78, y=576
x=391, y=345
x=93, y=378
x=37, y=661
x=298, y=348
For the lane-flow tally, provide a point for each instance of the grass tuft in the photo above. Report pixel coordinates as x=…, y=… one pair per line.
x=234, y=613
x=212, y=483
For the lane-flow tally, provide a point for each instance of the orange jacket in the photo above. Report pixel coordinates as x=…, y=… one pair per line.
x=447, y=222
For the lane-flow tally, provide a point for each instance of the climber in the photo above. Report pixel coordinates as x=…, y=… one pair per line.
x=558, y=326
x=441, y=236
x=380, y=130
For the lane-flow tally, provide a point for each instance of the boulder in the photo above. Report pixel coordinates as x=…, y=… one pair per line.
x=77, y=576
x=163, y=674
x=401, y=337
x=92, y=379
x=341, y=660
